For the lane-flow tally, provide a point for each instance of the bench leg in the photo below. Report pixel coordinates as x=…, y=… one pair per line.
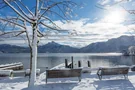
x=100, y=77
x=46, y=80
x=126, y=76
x=79, y=79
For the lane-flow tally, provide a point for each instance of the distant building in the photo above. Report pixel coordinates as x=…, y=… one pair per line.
x=131, y=50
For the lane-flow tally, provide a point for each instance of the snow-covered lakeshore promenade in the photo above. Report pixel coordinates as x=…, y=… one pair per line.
x=89, y=81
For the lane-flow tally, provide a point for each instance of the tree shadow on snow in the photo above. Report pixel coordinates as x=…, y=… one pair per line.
x=120, y=84
x=13, y=80
x=53, y=86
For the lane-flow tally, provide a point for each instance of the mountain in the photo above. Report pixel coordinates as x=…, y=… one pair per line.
x=5, y=48
x=53, y=47
x=112, y=45
x=50, y=47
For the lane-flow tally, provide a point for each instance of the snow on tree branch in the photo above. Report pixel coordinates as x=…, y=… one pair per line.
x=15, y=23
x=16, y=11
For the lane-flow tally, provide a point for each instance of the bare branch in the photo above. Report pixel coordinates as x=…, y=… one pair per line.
x=100, y=7
x=46, y=18
x=56, y=29
x=6, y=20
x=129, y=11
x=40, y=34
x=12, y=7
x=22, y=11
x=19, y=33
x=15, y=18
x=62, y=11
x=27, y=8
x=56, y=14
x=3, y=5
x=11, y=32
x=49, y=26
x=49, y=8
x=42, y=4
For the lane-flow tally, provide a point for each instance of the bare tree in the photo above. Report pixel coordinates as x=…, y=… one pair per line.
x=36, y=17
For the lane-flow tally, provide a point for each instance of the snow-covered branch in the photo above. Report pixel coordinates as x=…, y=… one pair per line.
x=40, y=34
x=15, y=23
x=27, y=8
x=50, y=27
x=22, y=11
x=15, y=18
x=47, y=8
x=54, y=12
x=15, y=10
x=16, y=33
x=46, y=18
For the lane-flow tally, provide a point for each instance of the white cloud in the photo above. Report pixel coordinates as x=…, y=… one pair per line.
x=123, y=0
x=87, y=33
x=90, y=32
x=115, y=16
x=133, y=3
x=112, y=2
x=103, y=2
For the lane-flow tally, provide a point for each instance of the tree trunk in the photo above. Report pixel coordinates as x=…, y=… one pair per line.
x=33, y=61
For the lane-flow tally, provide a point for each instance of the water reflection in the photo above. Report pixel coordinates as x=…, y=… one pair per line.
x=133, y=59
x=51, y=60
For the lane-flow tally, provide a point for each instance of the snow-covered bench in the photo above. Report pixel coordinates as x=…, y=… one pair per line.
x=112, y=71
x=27, y=72
x=63, y=73
x=4, y=73
x=13, y=66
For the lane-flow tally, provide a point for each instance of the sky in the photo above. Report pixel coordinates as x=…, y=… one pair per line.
x=92, y=21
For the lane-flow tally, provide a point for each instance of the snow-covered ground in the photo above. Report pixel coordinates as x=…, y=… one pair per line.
x=89, y=81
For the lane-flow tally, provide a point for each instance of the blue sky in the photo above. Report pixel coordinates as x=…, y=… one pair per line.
x=91, y=23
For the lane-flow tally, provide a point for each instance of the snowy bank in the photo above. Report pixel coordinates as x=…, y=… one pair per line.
x=89, y=81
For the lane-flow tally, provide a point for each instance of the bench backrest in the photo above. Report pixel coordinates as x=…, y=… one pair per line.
x=114, y=71
x=63, y=73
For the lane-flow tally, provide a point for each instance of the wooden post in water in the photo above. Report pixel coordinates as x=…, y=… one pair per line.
x=66, y=63
x=89, y=64
x=79, y=63
x=72, y=64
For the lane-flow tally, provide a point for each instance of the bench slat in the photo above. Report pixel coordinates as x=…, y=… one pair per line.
x=63, y=73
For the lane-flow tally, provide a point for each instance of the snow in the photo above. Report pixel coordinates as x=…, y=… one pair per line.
x=12, y=64
x=28, y=71
x=6, y=72
x=89, y=81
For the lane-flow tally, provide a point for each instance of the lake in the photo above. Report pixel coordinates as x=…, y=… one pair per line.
x=49, y=60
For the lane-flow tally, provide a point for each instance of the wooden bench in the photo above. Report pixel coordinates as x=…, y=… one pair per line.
x=63, y=73
x=112, y=71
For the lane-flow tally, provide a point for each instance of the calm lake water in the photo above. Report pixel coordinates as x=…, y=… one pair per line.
x=49, y=60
